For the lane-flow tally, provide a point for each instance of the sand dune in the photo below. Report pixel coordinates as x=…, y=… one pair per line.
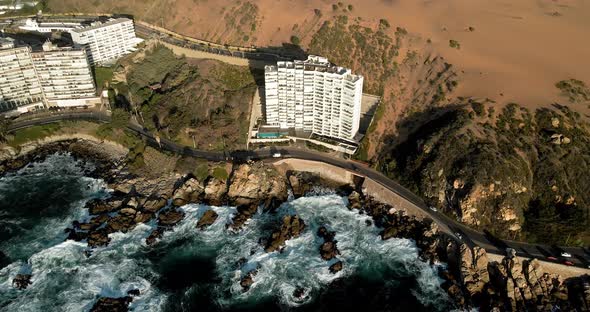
x=515, y=52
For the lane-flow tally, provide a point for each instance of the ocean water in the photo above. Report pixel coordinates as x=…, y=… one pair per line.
x=198, y=270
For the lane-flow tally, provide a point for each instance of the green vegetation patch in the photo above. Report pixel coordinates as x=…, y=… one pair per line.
x=575, y=90
x=102, y=76
x=233, y=77
x=205, y=103
x=30, y=134
x=220, y=173
x=370, y=52
x=454, y=44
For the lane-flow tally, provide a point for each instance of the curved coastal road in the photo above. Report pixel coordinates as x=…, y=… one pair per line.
x=580, y=256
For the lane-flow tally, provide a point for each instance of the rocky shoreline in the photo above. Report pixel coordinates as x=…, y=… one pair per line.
x=469, y=278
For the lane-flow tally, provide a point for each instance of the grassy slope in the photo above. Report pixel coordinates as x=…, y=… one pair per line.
x=208, y=100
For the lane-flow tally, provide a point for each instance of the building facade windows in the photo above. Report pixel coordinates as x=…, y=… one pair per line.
x=106, y=42
x=314, y=96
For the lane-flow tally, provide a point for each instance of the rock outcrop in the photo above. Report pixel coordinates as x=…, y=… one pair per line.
x=215, y=192
x=21, y=281
x=207, y=219
x=191, y=191
x=255, y=183
x=302, y=182
x=243, y=214
x=328, y=249
x=510, y=285
x=107, y=304
x=474, y=269
x=292, y=227
x=396, y=223
x=336, y=267
x=247, y=280
x=170, y=217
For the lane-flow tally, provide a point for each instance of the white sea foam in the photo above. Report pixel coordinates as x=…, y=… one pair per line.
x=65, y=279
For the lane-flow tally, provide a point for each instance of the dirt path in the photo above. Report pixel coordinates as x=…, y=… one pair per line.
x=203, y=55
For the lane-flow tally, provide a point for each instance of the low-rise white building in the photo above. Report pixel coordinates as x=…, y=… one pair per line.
x=47, y=27
x=106, y=42
x=314, y=96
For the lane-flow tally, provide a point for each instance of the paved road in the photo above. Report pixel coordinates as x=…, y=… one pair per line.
x=580, y=256
x=145, y=31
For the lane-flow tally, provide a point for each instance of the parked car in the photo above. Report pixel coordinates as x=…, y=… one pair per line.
x=552, y=258
x=433, y=208
x=568, y=263
x=566, y=255
x=459, y=235
x=276, y=155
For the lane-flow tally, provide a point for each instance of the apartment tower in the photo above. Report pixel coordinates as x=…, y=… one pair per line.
x=65, y=76
x=52, y=77
x=314, y=96
x=20, y=89
x=106, y=42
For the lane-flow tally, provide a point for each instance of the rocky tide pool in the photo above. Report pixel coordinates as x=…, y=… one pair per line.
x=192, y=269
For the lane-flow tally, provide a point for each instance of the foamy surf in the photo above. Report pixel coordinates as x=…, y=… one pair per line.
x=189, y=265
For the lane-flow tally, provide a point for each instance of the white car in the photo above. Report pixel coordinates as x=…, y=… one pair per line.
x=276, y=155
x=566, y=255
x=459, y=235
x=433, y=208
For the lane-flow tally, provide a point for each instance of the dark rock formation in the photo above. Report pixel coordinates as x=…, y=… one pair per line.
x=106, y=304
x=243, y=214
x=336, y=267
x=207, y=219
x=133, y=292
x=302, y=182
x=299, y=292
x=154, y=235
x=215, y=192
x=191, y=191
x=98, y=238
x=292, y=226
x=170, y=217
x=99, y=206
x=154, y=204
x=328, y=250
x=248, y=279
x=21, y=281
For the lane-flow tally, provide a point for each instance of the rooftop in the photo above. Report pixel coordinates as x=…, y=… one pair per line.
x=314, y=63
x=98, y=25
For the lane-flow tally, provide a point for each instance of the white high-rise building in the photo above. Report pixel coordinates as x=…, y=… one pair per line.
x=106, y=42
x=20, y=89
x=54, y=77
x=65, y=76
x=314, y=96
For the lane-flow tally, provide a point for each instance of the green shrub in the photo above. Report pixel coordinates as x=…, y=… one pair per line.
x=295, y=40
x=220, y=173
x=454, y=44
x=575, y=90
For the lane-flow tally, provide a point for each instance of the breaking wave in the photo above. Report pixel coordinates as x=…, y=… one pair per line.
x=191, y=269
